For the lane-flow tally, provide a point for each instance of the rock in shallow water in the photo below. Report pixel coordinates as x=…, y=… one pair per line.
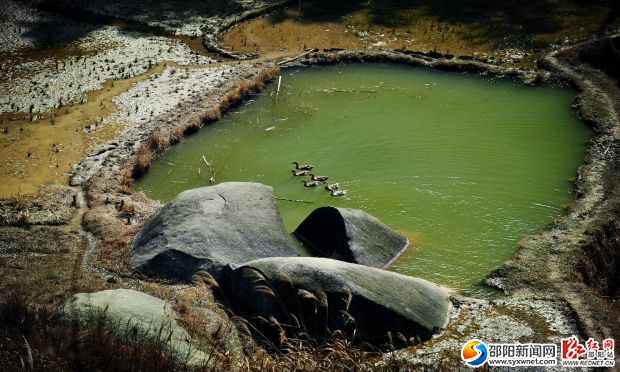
x=323, y=294
x=210, y=227
x=350, y=235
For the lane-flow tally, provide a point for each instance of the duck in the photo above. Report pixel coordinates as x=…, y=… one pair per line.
x=332, y=187
x=303, y=167
x=310, y=183
x=337, y=193
x=318, y=178
x=298, y=173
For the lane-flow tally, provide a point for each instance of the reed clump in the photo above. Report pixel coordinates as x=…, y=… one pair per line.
x=33, y=339
x=158, y=141
x=176, y=135
x=142, y=161
x=212, y=114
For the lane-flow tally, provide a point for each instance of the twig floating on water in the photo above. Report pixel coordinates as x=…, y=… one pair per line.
x=335, y=90
x=294, y=200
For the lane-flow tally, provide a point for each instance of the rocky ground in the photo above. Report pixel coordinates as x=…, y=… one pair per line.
x=38, y=86
x=51, y=77
x=191, y=18
x=499, y=321
x=162, y=92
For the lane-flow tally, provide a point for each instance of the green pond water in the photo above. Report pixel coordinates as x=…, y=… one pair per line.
x=465, y=166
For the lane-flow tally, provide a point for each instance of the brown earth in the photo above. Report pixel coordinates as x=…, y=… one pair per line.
x=42, y=152
x=501, y=29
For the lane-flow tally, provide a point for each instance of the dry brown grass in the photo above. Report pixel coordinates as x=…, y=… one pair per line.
x=127, y=208
x=125, y=189
x=34, y=340
x=176, y=134
x=480, y=27
x=142, y=161
x=211, y=115
x=114, y=248
x=338, y=354
x=247, y=86
x=127, y=178
x=43, y=263
x=159, y=290
x=158, y=141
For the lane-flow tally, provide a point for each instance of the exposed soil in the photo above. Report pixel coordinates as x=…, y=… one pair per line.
x=511, y=31
x=39, y=152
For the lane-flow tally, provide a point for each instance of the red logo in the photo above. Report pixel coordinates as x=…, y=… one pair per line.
x=572, y=349
x=591, y=344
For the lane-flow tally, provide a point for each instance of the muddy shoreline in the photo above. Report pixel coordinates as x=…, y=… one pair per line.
x=545, y=276
x=566, y=261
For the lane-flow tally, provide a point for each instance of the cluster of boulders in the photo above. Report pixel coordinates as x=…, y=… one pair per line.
x=232, y=234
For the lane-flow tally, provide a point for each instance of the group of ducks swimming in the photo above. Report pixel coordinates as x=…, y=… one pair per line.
x=305, y=169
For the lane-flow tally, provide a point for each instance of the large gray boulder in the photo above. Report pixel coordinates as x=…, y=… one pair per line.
x=129, y=312
x=350, y=235
x=209, y=227
x=315, y=295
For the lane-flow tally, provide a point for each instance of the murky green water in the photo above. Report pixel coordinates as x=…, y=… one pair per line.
x=463, y=165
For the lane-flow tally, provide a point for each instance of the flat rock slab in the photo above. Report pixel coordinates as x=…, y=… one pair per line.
x=210, y=227
x=351, y=235
x=125, y=310
x=324, y=294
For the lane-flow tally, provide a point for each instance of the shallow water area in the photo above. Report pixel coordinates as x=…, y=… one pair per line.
x=463, y=165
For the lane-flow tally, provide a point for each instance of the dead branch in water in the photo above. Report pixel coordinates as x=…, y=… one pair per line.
x=294, y=200
x=207, y=163
x=335, y=90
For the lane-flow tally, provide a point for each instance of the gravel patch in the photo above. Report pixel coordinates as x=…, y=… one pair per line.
x=38, y=86
x=164, y=91
x=506, y=321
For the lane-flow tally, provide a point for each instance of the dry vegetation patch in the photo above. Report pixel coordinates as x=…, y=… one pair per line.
x=507, y=29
